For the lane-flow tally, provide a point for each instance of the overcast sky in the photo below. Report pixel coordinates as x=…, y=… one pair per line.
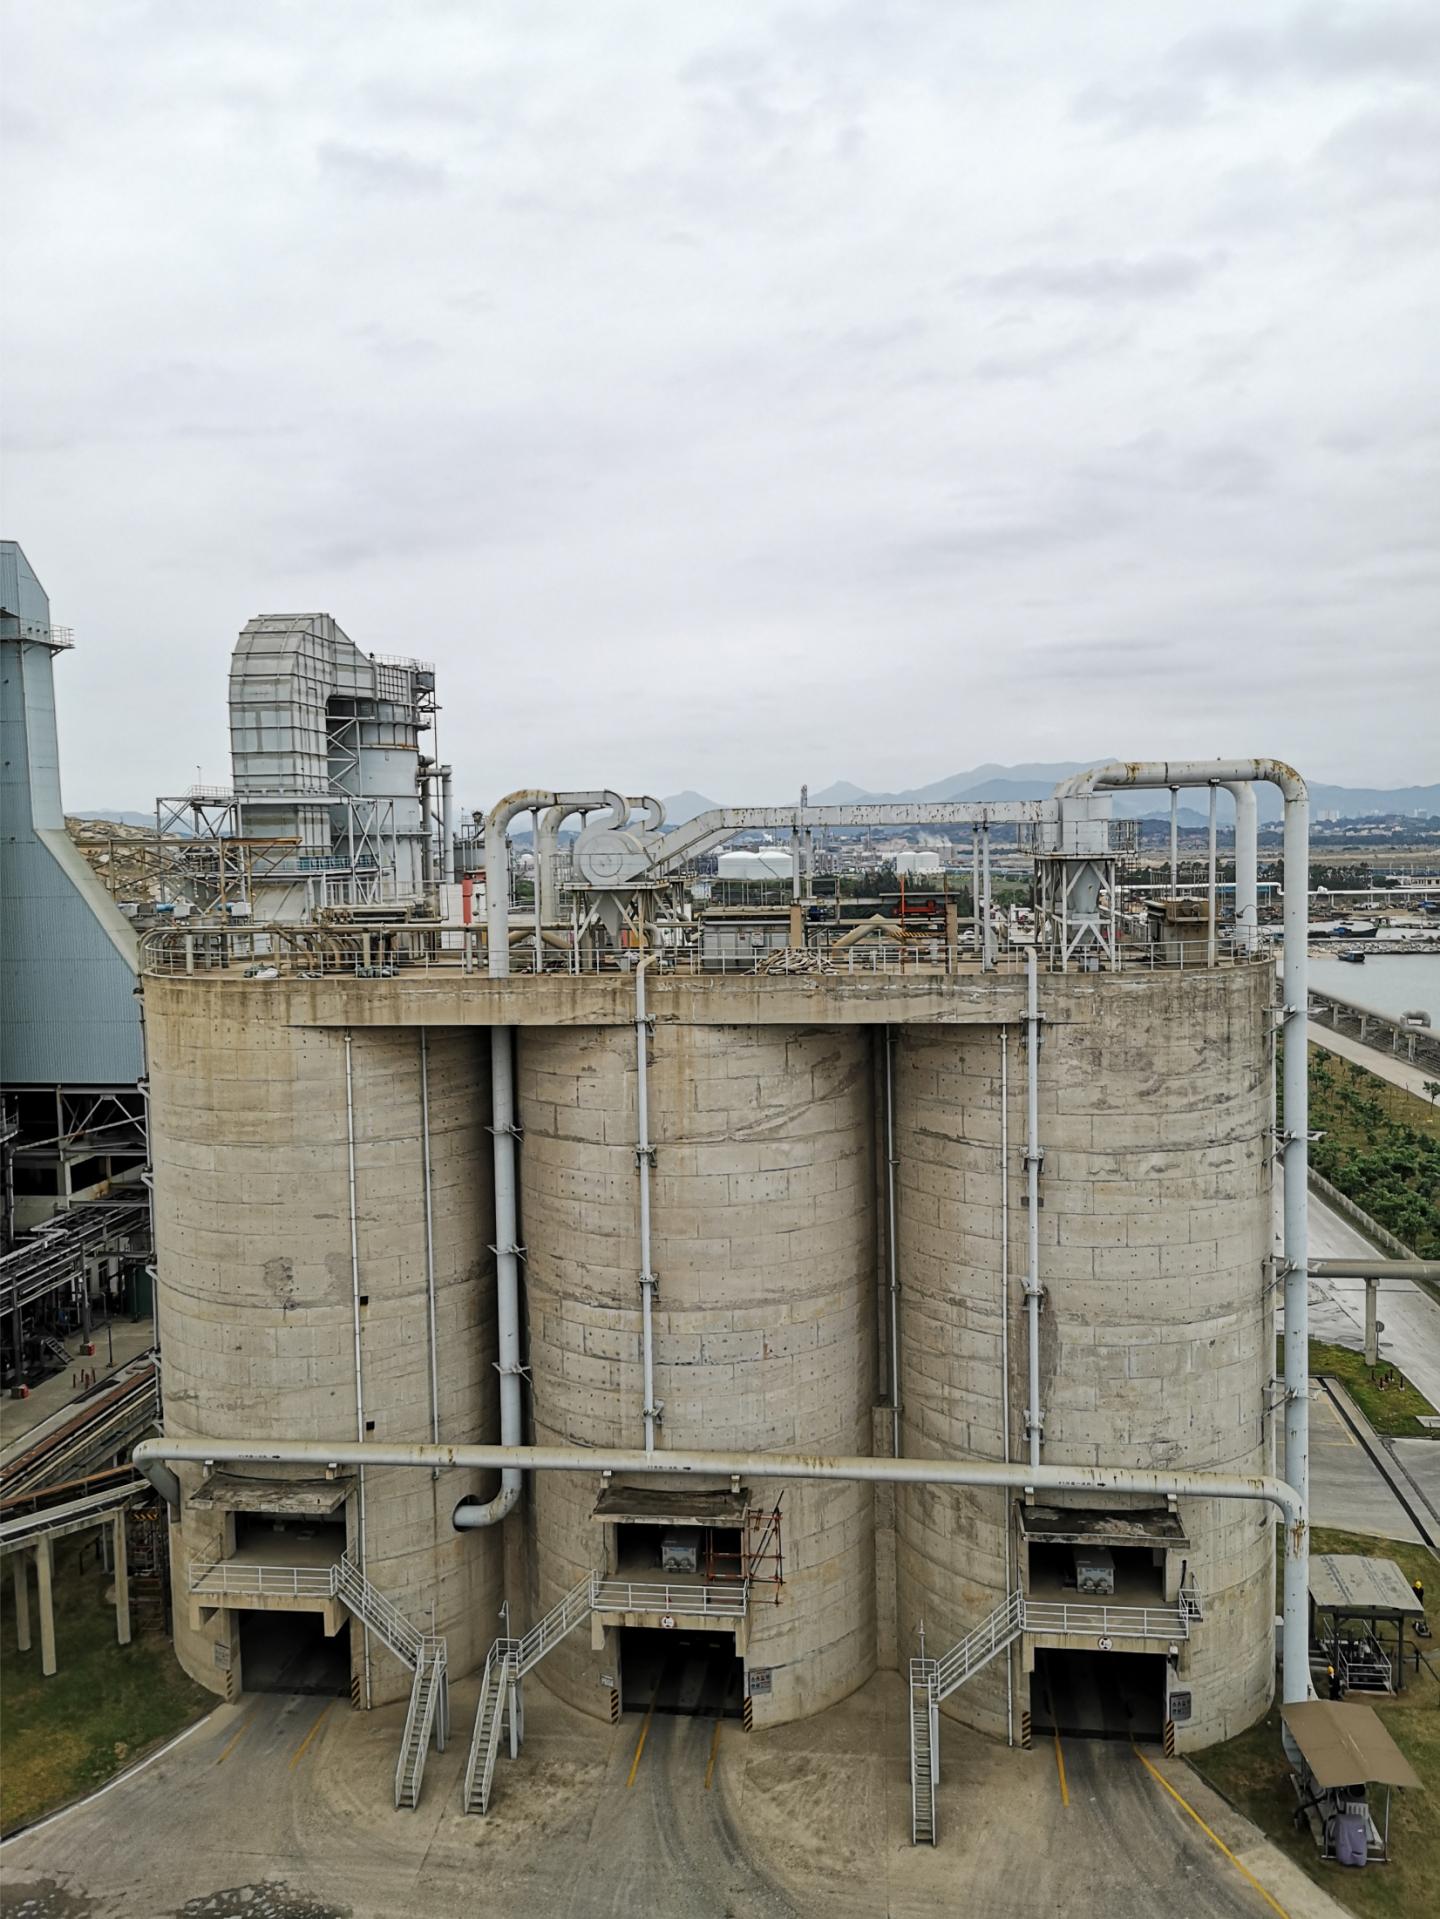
x=730, y=395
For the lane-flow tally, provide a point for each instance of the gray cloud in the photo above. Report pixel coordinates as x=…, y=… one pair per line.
x=1153, y=276
x=377, y=170
x=712, y=389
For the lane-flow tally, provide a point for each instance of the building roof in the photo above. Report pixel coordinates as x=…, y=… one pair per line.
x=1351, y=1583
x=672, y=1506
x=1345, y=1744
x=1076, y=1525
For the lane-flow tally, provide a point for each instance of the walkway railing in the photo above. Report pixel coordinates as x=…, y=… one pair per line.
x=711, y=1600
x=221, y=1577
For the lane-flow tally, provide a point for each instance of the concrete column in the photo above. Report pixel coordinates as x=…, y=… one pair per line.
x=1372, y=1324
x=44, y=1587
x=120, y=1555
x=22, y=1602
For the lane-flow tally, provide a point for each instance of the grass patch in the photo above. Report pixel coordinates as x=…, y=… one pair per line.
x=102, y=1709
x=1252, y=1774
x=1380, y=1145
x=1395, y=1408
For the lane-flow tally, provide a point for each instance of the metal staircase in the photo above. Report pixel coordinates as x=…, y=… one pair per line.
x=506, y=1666
x=425, y=1655
x=978, y=1648
x=489, y=1715
x=429, y=1714
x=924, y=1752
x=933, y=1680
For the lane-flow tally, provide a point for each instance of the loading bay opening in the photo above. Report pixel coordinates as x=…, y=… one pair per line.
x=1099, y=1695
x=689, y=1673
x=289, y=1652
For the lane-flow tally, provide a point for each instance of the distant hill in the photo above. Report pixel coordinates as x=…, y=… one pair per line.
x=113, y=813
x=1037, y=781
x=680, y=808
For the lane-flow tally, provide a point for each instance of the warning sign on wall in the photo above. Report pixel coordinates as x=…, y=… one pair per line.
x=757, y=1681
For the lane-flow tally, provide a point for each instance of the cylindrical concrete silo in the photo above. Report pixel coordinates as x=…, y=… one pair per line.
x=260, y=1280
x=1157, y=1329
x=764, y=1247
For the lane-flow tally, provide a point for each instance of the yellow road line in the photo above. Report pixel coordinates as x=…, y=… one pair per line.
x=1059, y=1755
x=1334, y=1414
x=714, y=1748
x=300, y=1749
x=644, y=1732
x=1273, y=1904
x=244, y=1727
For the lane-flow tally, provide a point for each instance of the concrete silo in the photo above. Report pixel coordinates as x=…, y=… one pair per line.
x=764, y=1331
x=1156, y=1336
x=322, y=1211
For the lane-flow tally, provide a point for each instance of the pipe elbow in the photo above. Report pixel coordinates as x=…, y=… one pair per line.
x=472, y=1515
x=146, y=1460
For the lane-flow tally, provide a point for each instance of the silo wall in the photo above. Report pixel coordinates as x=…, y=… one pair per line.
x=1157, y=1329
x=257, y=1290
x=763, y=1242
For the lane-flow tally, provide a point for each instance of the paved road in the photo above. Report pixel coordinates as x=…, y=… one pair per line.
x=1384, y=1065
x=1410, y=1315
x=279, y=1808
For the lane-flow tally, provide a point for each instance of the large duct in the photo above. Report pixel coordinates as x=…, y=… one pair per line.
x=325, y=743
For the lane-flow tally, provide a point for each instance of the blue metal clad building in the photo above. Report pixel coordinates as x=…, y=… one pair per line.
x=68, y=1013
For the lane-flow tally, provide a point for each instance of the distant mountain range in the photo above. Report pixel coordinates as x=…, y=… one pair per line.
x=1036, y=780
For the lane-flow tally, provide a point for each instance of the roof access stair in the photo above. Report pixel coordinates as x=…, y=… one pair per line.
x=425, y=1654
x=508, y=1662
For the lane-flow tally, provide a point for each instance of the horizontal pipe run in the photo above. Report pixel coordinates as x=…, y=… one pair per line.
x=1375, y=1269
x=151, y=1455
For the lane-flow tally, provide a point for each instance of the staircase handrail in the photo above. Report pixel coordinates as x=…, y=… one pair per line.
x=978, y=1648
x=560, y=1620
x=405, y=1640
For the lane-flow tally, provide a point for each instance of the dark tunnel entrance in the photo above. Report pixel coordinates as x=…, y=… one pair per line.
x=691, y=1673
x=1099, y=1695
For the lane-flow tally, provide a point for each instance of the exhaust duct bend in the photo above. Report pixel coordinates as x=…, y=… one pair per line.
x=1294, y=1135
x=503, y=1133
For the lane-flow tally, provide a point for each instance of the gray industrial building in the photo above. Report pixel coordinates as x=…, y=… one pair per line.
x=72, y=1125
x=970, y=1233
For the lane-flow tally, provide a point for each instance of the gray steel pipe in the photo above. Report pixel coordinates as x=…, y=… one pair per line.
x=507, y=1275
x=1034, y=1413
x=1424, y=1269
x=447, y=826
x=1247, y=864
x=151, y=1457
x=1295, y=1136
x=644, y=1160
x=892, y=1254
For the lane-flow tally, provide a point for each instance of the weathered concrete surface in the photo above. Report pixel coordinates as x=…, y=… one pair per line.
x=256, y=1295
x=446, y=998
x=763, y=1241
x=1156, y=1334
x=807, y=1818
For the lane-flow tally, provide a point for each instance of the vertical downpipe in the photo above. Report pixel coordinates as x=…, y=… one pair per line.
x=892, y=1256
x=355, y=1318
x=1005, y=1361
x=988, y=950
x=429, y=1242
x=1210, y=890
x=1034, y=1416
x=644, y=1160
x=1296, y=1150
x=1174, y=842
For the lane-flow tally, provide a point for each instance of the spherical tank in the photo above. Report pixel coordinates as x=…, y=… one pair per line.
x=763, y=1243
x=255, y=1123
x=1157, y=1327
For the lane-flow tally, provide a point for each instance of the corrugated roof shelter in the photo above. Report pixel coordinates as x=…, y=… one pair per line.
x=1361, y=1588
x=1345, y=1744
